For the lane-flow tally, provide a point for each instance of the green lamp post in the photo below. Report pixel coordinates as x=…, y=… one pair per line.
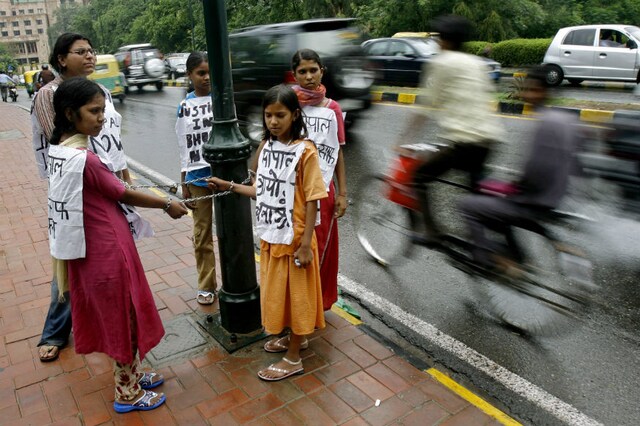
x=227, y=151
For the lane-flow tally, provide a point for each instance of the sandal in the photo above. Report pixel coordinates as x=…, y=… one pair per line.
x=205, y=297
x=141, y=404
x=285, y=373
x=150, y=380
x=281, y=344
x=48, y=353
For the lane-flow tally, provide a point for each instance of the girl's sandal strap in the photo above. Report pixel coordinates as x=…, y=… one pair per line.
x=288, y=361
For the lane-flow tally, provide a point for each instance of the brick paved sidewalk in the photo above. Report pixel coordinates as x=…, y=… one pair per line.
x=346, y=370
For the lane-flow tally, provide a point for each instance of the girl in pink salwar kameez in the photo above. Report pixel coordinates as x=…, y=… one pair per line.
x=112, y=305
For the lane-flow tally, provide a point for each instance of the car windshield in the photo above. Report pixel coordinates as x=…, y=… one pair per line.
x=427, y=47
x=176, y=61
x=634, y=31
x=151, y=54
x=329, y=42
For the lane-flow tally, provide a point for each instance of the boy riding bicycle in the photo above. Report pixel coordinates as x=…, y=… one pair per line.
x=457, y=88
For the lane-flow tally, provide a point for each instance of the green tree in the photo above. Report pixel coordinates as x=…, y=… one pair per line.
x=7, y=59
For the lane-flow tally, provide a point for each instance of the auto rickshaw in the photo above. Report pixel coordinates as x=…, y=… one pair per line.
x=29, y=81
x=108, y=74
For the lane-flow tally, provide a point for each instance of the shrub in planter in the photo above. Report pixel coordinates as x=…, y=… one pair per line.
x=520, y=52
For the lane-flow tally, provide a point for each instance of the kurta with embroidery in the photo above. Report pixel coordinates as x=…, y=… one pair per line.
x=110, y=281
x=292, y=296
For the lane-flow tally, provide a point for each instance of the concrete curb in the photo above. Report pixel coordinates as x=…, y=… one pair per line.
x=588, y=115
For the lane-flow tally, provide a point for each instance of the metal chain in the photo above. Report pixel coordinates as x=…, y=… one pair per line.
x=174, y=188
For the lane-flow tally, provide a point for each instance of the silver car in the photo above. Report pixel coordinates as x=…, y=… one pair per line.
x=594, y=52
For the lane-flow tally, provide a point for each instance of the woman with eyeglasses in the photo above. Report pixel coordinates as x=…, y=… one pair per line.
x=72, y=56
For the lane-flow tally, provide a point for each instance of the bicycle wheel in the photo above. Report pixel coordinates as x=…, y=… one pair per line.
x=541, y=299
x=382, y=226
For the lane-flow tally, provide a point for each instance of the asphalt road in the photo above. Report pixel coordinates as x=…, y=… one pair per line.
x=594, y=366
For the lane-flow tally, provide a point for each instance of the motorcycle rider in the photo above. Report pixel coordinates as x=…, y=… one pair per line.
x=5, y=82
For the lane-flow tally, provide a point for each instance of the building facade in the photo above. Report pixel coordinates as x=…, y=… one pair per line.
x=24, y=28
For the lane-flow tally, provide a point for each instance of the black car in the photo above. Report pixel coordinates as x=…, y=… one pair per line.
x=176, y=66
x=261, y=58
x=141, y=64
x=399, y=61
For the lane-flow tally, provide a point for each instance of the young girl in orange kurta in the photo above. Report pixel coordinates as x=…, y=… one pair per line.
x=287, y=189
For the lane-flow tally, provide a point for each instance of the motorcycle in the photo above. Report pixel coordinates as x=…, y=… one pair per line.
x=13, y=93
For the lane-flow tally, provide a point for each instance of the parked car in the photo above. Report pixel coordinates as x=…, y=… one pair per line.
x=108, y=74
x=594, y=52
x=141, y=64
x=261, y=58
x=398, y=61
x=176, y=66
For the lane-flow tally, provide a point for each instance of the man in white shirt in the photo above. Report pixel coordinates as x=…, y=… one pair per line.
x=458, y=93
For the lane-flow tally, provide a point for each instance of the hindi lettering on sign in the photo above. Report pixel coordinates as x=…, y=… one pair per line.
x=52, y=227
x=272, y=215
x=55, y=165
x=279, y=159
x=325, y=152
x=58, y=207
x=317, y=124
x=269, y=184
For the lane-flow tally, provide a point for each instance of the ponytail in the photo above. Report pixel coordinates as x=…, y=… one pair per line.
x=56, y=135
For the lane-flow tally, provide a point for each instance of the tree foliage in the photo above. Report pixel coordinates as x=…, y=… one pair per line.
x=178, y=25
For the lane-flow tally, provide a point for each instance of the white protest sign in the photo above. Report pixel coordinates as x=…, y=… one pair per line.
x=275, y=190
x=195, y=119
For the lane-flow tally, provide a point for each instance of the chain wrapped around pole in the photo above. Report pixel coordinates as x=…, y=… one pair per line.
x=189, y=200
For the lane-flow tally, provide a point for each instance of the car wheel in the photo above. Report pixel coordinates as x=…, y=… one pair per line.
x=140, y=87
x=554, y=75
x=121, y=98
x=575, y=81
x=154, y=68
x=159, y=85
x=126, y=90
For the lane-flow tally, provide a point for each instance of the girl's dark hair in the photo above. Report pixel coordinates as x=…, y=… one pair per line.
x=286, y=96
x=454, y=29
x=307, y=55
x=62, y=46
x=72, y=95
x=195, y=59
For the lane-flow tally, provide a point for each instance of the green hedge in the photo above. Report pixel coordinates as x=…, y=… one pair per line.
x=512, y=53
x=475, y=47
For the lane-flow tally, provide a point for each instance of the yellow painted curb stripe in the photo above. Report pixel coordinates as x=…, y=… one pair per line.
x=406, y=98
x=519, y=75
x=376, y=96
x=596, y=116
x=343, y=314
x=473, y=399
x=527, y=109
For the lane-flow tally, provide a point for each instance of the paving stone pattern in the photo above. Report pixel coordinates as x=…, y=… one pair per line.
x=346, y=371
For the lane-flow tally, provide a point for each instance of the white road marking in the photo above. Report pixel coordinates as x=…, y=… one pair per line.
x=556, y=407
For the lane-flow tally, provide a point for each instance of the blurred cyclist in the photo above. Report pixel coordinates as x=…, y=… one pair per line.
x=457, y=87
x=543, y=184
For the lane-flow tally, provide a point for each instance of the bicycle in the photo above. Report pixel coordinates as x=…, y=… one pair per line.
x=555, y=284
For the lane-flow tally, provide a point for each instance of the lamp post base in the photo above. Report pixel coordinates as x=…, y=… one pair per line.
x=237, y=324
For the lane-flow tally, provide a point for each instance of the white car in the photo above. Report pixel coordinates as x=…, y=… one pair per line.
x=594, y=52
